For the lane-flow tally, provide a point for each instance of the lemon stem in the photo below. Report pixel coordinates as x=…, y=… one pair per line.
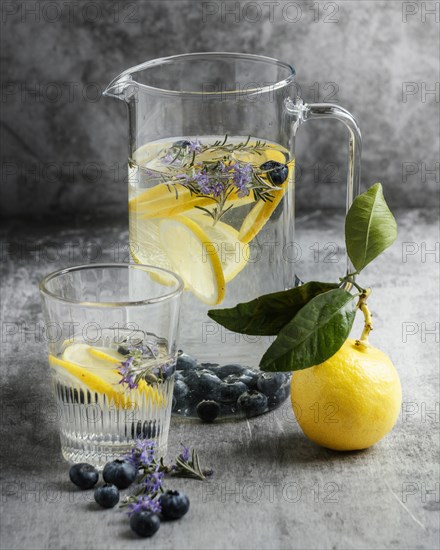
x=368, y=322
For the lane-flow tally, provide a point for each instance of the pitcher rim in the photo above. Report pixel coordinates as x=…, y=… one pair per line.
x=125, y=79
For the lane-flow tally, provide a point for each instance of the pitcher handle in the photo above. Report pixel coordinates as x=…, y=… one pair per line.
x=301, y=112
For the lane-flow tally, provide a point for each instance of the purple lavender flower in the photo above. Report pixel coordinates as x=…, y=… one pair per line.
x=183, y=178
x=208, y=184
x=195, y=146
x=169, y=158
x=153, y=481
x=127, y=377
x=202, y=180
x=144, y=503
x=184, y=455
x=242, y=176
x=142, y=453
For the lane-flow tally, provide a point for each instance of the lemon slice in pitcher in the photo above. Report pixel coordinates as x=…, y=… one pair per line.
x=195, y=257
x=232, y=252
x=258, y=216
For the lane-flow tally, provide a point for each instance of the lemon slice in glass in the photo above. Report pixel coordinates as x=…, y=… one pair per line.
x=95, y=370
x=195, y=258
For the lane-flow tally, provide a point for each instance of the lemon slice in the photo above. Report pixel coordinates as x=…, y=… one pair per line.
x=258, y=216
x=231, y=251
x=167, y=203
x=194, y=256
x=95, y=369
x=259, y=157
x=90, y=381
x=166, y=200
x=146, y=248
x=109, y=356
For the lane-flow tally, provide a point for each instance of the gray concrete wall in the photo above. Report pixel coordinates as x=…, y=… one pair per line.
x=64, y=146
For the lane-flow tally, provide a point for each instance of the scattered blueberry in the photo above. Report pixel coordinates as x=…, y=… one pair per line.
x=277, y=172
x=185, y=362
x=252, y=402
x=174, y=504
x=230, y=391
x=180, y=389
x=145, y=524
x=208, y=410
x=226, y=370
x=83, y=475
x=120, y=472
x=269, y=382
x=107, y=496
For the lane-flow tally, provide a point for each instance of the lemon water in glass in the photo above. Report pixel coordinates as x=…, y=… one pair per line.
x=112, y=353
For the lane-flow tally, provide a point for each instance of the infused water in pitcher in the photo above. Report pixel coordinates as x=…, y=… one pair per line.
x=211, y=191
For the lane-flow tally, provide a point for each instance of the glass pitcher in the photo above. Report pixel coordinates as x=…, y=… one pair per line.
x=211, y=190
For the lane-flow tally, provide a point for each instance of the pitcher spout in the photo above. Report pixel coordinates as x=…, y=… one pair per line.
x=122, y=87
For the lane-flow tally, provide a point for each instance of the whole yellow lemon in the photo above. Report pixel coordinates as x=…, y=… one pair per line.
x=350, y=401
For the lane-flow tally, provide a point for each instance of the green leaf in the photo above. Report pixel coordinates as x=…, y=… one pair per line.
x=267, y=314
x=370, y=227
x=316, y=333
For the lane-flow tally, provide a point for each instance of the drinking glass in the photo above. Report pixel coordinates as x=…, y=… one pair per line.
x=111, y=331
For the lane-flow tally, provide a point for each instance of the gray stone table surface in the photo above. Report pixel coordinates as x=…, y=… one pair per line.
x=272, y=487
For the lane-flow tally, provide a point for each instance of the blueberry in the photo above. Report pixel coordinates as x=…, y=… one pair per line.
x=278, y=397
x=145, y=524
x=250, y=378
x=181, y=143
x=167, y=371
x=107, y=496
x=208, y=410
x=120, y=472
x=178, y=376
x=208, y=384
x=185, y=362
x=123, y=350
x=277, y=172
x=252, y=402
x=83, y=475
x=231, y=391
x=231, y=378
x=203, y=383
x=209, y=366
x=269, y=382
x=174, y=504
x=226, y=370
x=180, y=389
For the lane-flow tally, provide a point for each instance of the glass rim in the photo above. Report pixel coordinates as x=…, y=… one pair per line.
x=154, y=300
x=125, y=78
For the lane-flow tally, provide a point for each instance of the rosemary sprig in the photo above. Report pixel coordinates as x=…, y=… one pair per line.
x=217, y=178
x=190, y=468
